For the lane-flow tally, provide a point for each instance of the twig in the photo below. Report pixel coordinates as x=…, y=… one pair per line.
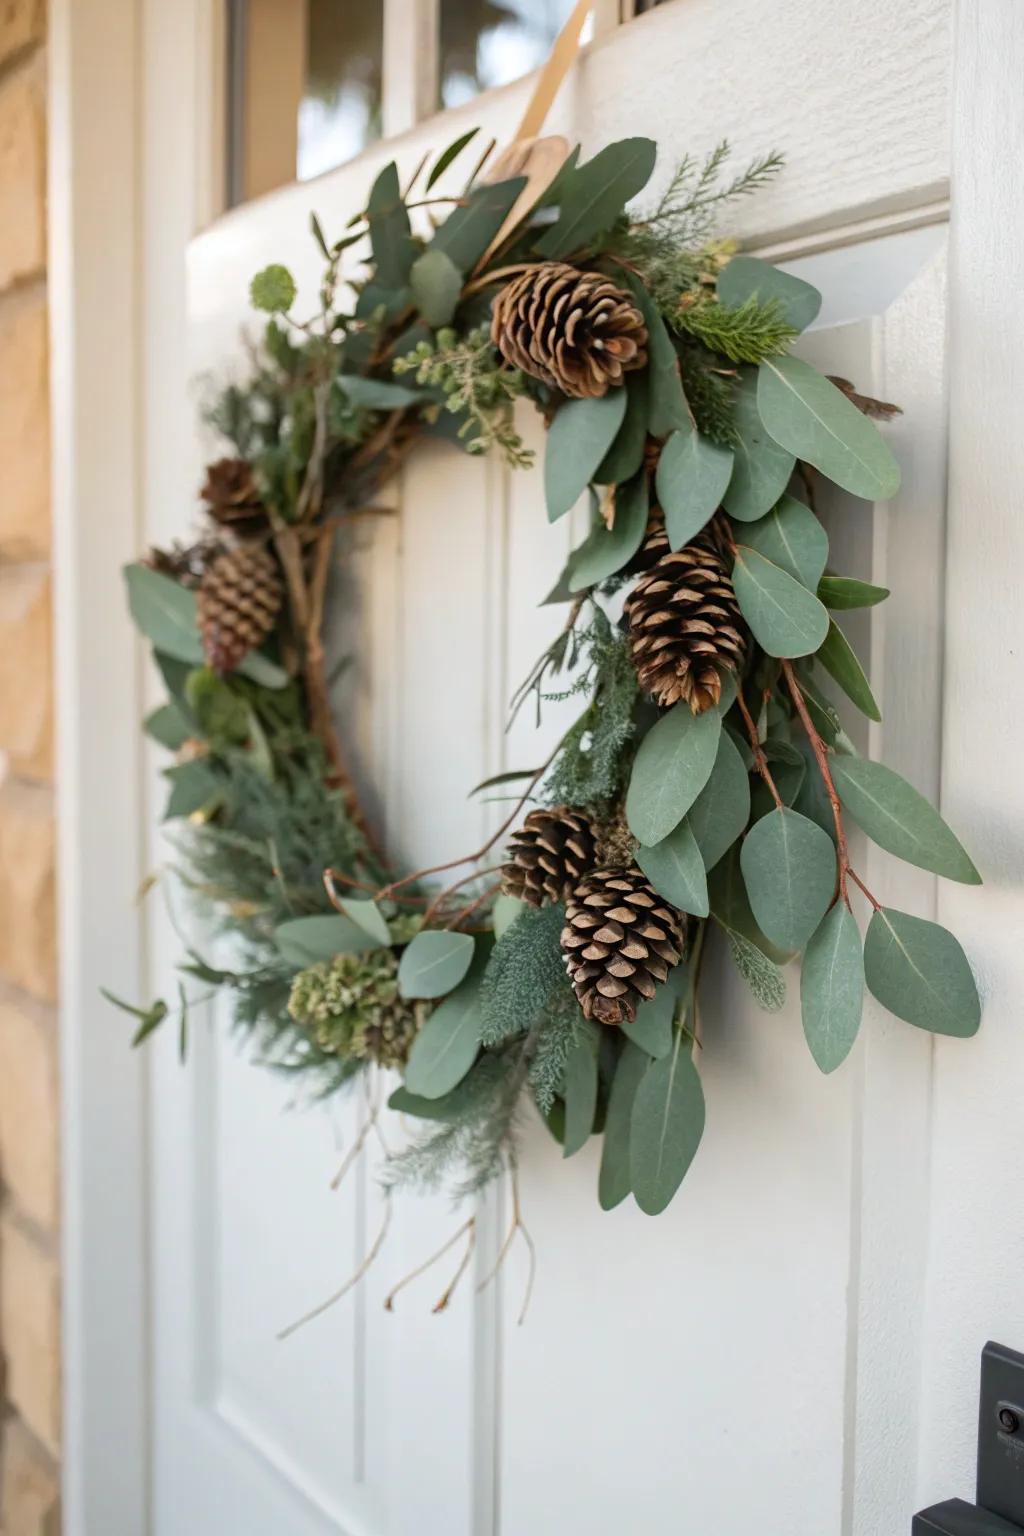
x=352, y=1281
x=443, y=1300
x=332, y=876
x=472, y=906
x=356, y=1147
x=421, y=1269
x=760, y=761
x=442, y=896
x=495, y=276
x=517, y=1225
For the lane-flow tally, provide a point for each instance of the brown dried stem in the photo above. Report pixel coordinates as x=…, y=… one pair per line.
x=421, y=1269
x=517, y=1225
x=350, y=1283
x=760, y=761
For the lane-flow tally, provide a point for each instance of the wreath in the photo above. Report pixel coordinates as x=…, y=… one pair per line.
x=704, y=796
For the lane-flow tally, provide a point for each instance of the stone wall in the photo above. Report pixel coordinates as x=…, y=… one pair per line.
x=29, y=1182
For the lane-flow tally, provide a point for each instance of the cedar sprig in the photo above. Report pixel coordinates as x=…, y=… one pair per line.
x=746, y=333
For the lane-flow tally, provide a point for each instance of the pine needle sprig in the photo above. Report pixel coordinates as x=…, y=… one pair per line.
x=591, y=764
x=746, y=333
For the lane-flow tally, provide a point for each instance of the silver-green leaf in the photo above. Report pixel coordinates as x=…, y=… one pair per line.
x=814, y=420
x=919, y=972
x=784, y=617
x=748, y=277
x=761, y=469
x=899, y=819
x=613, y=1183
x=692, y=475
x=666, y=1127
x=607, y=550
x=832, y=987
x=578, y=439
x=676, y=870
x=671, y=768
x=580, y=1092
x=446, y=1046
x=840, y=661
x=434, y=962
x=791, y=537
x=789, y=867
x=304, y=941
x=848, y=592
x=722, y=809
x=368, y=916
x=595, y=194
x=436, y=284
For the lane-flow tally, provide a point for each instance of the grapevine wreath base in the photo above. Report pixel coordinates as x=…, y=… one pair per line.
x=705, y=793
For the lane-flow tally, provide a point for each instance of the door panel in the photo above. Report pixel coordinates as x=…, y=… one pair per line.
x=770, y=1318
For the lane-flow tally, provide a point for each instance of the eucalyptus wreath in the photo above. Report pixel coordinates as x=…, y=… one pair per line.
x=706, y=792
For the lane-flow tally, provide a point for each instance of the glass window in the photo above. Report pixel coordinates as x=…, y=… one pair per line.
x=485, y=43
x=340, y=110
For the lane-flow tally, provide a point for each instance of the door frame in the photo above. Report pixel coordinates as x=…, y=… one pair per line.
x=124, y=75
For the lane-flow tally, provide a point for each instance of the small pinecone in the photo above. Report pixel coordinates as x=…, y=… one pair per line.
x=619, y=941
x=233, y=499
x=685, y=625
x=238, y=600
x=575, y=331
x=548, y=856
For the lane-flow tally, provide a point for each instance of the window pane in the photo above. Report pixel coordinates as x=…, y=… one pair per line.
x=340, y=109
x=485, y=43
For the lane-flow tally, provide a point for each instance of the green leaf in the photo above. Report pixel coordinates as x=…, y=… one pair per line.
x=785, y=619
x=722, y=809
x=194, y=786
x=607, y=550
x=446, y=156
x=746, y=277
x=168, y=726
x=469, y=229
x=846, y=592
x=761, y=469
x=594, y=195
x=272, y=290
x=613, y=1183
x=813, y=419
x=666, y=402
x=626, y=454
x=920, y=973
x=580, y=1093
x=761, y=975
x=676, y=870
x=832, y=987
x=261, y=670
x=446, y=1047
x=730, y=906
x=222, y=714
x=434, y=962
x=899, y=819
x=692, y=475
x=671, y=768
x=367, y=916
x=390, y=235
x=378, y=394
x=666, y=1126
x=316, y=231
x=839, y=659
x=791, y=538
x=304, y=941
x=578, y=439
x=436, y=284
x=789, y=866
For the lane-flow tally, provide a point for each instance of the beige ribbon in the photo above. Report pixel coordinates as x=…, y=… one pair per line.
x=560, y=60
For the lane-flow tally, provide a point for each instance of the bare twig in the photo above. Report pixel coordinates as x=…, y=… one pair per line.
x=760, y=761
x=441, y=1304
x=350, y=1283
x=517, y=1225
x=421, y=1269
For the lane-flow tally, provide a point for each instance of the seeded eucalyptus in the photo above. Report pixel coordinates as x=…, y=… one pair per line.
x=705, y=795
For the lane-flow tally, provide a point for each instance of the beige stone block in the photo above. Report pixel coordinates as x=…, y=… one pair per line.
x=22, y=174
x=22, y=23
x=29, y=1109
x=30, y=1331
x=24, y=423
x=26, y=679
x=30, y=1505
x=28, y=936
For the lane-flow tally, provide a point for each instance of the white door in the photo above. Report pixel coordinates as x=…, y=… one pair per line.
x=755, y=1358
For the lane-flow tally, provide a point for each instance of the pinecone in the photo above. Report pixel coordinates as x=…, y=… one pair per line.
x=685, y=625
x=238, y=600
x=619, y=941
x=548, y=856
x=575, y=331
x=233, y=499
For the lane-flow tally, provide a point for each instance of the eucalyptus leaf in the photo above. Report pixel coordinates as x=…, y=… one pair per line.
x=784, y=617
x=919, y=972
x=676, y=870
x=839, y=659
x=813, y=419
x=390, y=235
x=613, y=1183
x=666, y=1127
x=577, y=441
x=446, y=156
x=504, y=913
x=168, y=726
x=832, y=987
x=899, y=819
x=722, y=809
x=748, y=277
x=761, y=469
x=594, y=195
x=446, y=1046
x=730, y=905
x=666, y=401
x=626, y=454
x=304, y=941
x=847, y=592
x=789, y=866
x=670, y=770
x=691, y=478
x=651, y=1030
x=165, y=612
x=434, y=962
x=378, y=394
x=194, y=787
x=436, y=284
x=580, y=1093
x=607, y=550
x=793, y=539
x=470, y=228
x=367, y=916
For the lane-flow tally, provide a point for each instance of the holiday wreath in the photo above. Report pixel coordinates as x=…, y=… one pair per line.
x=705, y=792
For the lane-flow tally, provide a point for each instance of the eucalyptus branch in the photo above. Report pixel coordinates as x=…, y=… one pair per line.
x=760, y=761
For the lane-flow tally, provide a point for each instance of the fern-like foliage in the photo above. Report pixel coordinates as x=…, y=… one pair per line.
x=746, y=333
x=591, y=765
x=557, y=1033
x=524, y=974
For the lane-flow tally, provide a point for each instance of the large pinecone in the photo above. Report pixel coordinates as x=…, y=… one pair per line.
x=549, y=855
x=685, y=625
x=575, y=331
x=232, y=497
x=238, y=600
x=619, y=941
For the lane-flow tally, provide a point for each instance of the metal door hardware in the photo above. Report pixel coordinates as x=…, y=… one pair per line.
x=999, y=1506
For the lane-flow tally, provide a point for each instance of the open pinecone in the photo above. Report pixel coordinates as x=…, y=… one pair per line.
x=619, y=941
x=238, y=600
x=575, y=331
x=685, y=625
x=232, y=497
x=548, y=856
